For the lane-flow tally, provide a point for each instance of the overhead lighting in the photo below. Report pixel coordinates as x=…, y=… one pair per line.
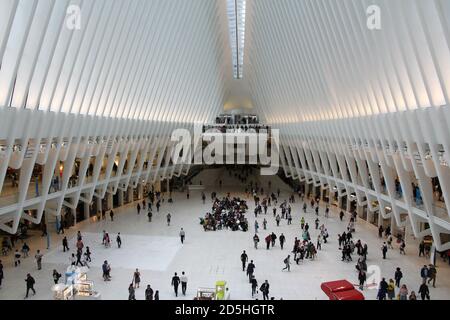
x=236, y=23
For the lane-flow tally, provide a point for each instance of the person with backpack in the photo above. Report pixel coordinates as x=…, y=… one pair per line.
x=287, y=262
x=265, y=290
x=56, y=276
x=30, y=284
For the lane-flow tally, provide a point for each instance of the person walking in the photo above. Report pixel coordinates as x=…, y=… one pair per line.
x=156, y=295
x=382, y=290
x=244, y=259
x=182, y=235
x=111, y=214
x=278, y=219
x=175, y=283
x=184, y=281
x=56, y=276
x=30, y=284
x=88, y=254
x=341, y=215
x=131, y=292
x=362, y=279
x=168, y=217
x=398, y=276
x=432, y=275
x=424, y=291
x=38, y=258
x=250, y=270
x=265, y=290
x=72, y=259
x=65, y=244
x=136, y=278
x=282, y=240
x=106, y=268
x=138, y=208
x=255, y=241
x=287, y=262
x=268, y=240
x=119, y=240
x=79, y=256
x=265, y=224
x=254, y=285
x=149, y=214
x=17, y=257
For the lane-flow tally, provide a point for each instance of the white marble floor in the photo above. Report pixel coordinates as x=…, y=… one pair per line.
x=206, y=257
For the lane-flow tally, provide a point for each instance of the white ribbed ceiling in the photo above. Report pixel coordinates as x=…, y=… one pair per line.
x=140, y=59
x=310, y=60
x=304, y=60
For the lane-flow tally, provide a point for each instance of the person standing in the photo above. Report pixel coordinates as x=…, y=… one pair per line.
x=111, y=214
x=391, y=289
x=149, y=293
x=184, y=281
x=136, y=278
x=244, y=259
x=398, y=276
x=256, y=240
x=182, y=235
x=268, y=240
x=169, y=216
x=119, y=240
x=403, y=293
x=282, y=240
x=38, y=258
x=424, y=291
x=287, y=262
x=341, y=215
x=424, y=273
x=265, y=224
x=250, y=270
x=30, y=284
x=265, y=290
x=131, y=292
x=175, y=283
x=384, y=249
x=138, y=208
x=156, y=295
